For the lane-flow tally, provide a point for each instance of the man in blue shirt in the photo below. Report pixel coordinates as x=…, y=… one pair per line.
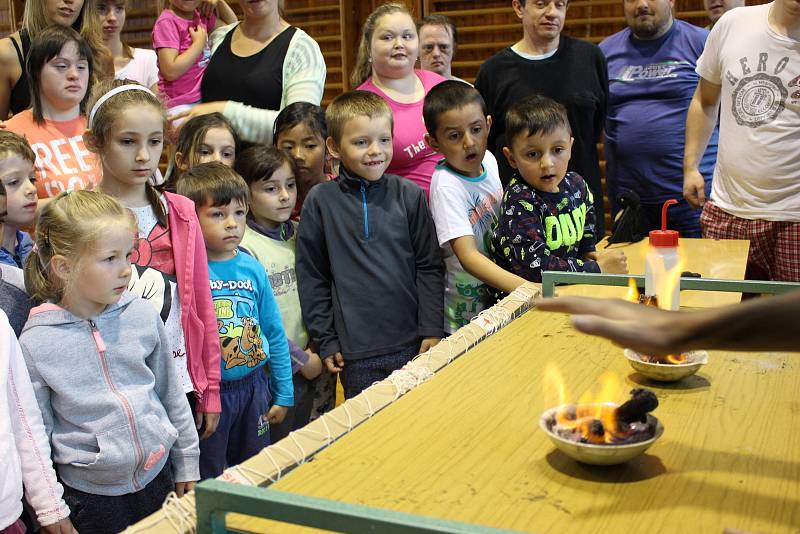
x=651, y=71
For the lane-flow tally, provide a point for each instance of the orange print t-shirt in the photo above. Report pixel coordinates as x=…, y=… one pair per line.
x=62, y=161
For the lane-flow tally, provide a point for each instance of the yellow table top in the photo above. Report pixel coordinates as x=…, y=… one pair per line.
x=712, y=258
x=466, y=445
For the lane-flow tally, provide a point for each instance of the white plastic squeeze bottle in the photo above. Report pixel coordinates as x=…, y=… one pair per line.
x=660, y=278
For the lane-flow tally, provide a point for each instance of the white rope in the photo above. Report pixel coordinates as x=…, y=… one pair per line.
x=185, y=512
x=346, y=410
x=303, y=454
x=408, y=377
x=243, y=471
x=181, y=514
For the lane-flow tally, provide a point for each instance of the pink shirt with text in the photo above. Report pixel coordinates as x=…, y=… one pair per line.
x=413, y=158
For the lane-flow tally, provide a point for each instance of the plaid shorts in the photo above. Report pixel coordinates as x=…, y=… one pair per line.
x=774, y=245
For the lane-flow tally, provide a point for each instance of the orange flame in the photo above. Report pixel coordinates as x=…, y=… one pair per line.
x=666, y=279
x=680, y=358
x=668, y=359
x=633, y=291
x=594, y=417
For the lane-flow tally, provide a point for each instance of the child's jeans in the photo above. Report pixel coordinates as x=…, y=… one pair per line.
x=100, y=514
x=358, y=375
x=243, y=427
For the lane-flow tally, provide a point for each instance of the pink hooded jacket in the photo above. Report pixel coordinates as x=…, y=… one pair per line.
x=198, y=319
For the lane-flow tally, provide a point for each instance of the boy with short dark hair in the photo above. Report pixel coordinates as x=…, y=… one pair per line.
x=250, y=328
x=14, y=301
x=547, y=218
x=17, y=175
x=465, y=199
x=368, y=265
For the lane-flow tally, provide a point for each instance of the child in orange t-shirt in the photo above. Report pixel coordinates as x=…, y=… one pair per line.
x=60, y=66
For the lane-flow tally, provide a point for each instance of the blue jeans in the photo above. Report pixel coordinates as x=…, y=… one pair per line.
x=358, y=375
x=243, y=428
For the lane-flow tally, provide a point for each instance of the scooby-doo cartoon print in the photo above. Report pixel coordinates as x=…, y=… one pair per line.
x=239, y=334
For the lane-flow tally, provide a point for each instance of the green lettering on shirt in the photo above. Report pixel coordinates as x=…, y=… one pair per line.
x=552, y=232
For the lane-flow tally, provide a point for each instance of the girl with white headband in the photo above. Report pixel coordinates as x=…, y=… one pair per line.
x=126, y=131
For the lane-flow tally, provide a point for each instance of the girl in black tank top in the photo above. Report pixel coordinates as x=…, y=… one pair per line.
x=20, y=94
x=255, y=80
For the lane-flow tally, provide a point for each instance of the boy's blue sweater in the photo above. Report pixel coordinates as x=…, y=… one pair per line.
x=250, y=328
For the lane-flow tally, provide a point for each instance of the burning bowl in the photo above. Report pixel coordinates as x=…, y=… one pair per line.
x=668, y=372
x=599, y=454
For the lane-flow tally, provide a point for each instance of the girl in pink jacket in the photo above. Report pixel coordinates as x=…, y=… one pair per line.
x=126, y=130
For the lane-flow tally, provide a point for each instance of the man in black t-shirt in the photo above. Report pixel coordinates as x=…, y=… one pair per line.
x=568, y=70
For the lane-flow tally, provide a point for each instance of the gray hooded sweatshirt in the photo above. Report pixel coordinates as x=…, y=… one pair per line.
x=110, y=397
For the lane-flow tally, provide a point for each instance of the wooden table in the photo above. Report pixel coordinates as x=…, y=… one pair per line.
x=712, y=258
x=466, y=445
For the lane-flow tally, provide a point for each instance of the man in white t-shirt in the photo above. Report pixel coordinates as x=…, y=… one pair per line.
x=750, y=79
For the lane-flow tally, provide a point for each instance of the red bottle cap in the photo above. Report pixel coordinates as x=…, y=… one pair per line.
x=664, y=238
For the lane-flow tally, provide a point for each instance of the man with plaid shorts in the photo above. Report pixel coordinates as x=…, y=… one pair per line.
x=751, y=66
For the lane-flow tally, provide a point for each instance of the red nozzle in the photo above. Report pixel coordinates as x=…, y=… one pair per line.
x=664, y=237
x=667, y=204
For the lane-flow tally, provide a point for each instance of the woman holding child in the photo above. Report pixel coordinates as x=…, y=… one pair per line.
x=387, y=55
x=259, y=66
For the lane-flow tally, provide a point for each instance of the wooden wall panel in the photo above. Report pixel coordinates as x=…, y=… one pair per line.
x=10, y=13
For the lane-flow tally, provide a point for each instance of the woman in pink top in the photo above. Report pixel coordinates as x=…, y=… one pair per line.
x=385, y=66
x=59, y=69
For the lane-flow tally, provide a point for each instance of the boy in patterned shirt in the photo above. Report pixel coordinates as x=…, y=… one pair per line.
x=547, y=219
x=465, y=199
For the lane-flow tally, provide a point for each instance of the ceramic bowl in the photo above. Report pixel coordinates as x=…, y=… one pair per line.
x=590, y=453
x=668, y=372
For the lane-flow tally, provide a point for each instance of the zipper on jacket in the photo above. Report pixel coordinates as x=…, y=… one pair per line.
x=101, y=351
x=364, y=208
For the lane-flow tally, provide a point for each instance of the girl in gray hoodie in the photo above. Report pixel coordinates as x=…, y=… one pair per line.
x=121, y=430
